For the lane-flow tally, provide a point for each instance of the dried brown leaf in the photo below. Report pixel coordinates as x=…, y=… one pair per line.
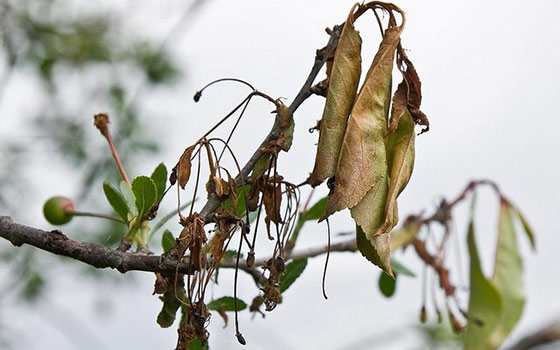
x=272, y=199
x=343, y=84
x=184, y=166
x=411, y=88
x=363, y=162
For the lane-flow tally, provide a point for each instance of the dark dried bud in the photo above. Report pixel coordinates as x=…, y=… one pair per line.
x=196, y=98
x=280, y=265
x=173, y=176
x=101, y=122
x=240, y=339
x=251, y=260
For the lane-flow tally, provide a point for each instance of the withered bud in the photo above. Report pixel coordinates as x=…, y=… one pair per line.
x=240, y=339
x=251, y=260
x=173, y=176
x=280, y=265
x=423, y=314
x=101, y=122
x=197, y=96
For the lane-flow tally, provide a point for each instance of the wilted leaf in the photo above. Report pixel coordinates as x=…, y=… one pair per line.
x=116, y=201
x=363, y=164
x=226, y=304
x=485, y=303
x=343, y=83
x=404, y=236
x=293, y=270
x=168, y=312
x=508, y=275
x=377, y=249
x=167, y=240
x=287, y=125
x=159, y=176
x=272, y=199
x=400, y=162
x=387, y=284
x=408, y=93
x=184, y=166
x=145, y=193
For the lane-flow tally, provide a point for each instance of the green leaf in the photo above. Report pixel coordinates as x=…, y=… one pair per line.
x=399, y=268
x=197, y=345
x=226, y=304
x=404, y=236
x=293, y=270
x=145, y=193
x=159, y=176
x=527, y=228
x=485, y=303
x=128, y=196
x=508, y=275
x=387, y=284
x=167, y=240
x=116, y=200
x=315, y=212
x=168, y=312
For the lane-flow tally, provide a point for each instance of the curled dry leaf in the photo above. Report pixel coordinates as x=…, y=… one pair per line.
x=184, y=166
x=343, y=84
x=408, y=94
x=287, y=125
x=362, y=165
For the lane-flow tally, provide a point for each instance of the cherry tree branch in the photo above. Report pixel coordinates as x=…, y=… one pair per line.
x=306, y=90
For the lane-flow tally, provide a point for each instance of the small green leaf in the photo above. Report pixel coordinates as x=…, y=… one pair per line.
x=232, y=254
x=399, y=268
x=315, y=212
x=293, y=270
x=167, y=240
x=159, y=176
x=145, y=193
x=128, y=196
x=485, y=302
x=197, y=345
x=116, y=200
x=387, y=284
x=226, y=304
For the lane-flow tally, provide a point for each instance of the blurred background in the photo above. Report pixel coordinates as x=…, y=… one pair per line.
x=490, y=84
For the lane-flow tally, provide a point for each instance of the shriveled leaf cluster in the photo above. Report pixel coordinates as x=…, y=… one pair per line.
x=368, y=153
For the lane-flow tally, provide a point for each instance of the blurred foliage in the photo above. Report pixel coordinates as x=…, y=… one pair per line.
x=79, y=59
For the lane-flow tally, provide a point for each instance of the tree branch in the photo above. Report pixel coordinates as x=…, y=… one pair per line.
x=304, y=93
x=93, y=254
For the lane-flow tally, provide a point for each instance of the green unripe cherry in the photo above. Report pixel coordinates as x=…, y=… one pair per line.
x=58, y=210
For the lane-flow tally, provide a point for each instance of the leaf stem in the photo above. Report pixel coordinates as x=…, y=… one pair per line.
x=96, y=215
